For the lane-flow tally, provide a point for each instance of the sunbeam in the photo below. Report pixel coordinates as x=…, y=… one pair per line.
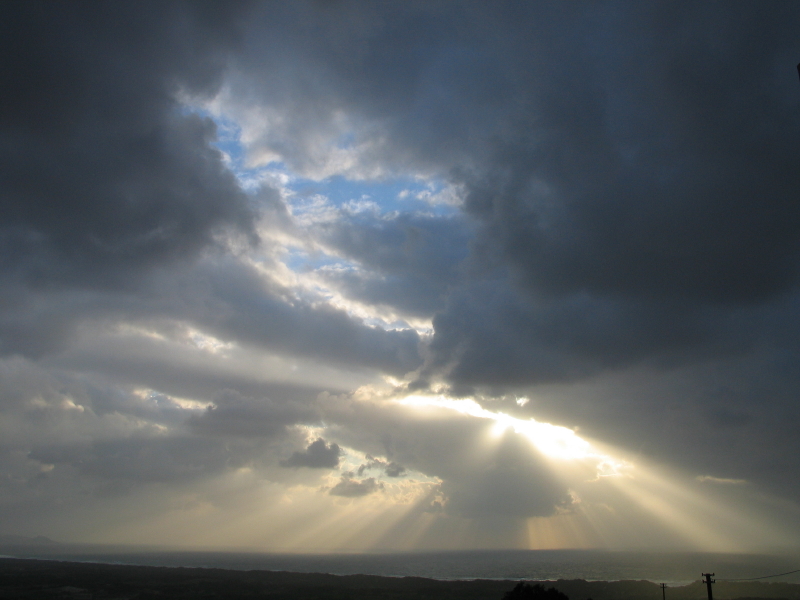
x=554, y=441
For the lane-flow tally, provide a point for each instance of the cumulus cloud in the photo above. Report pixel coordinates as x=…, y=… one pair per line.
x=107, y=180
x=354, y=488
x=391, y=468
x=318, y=455
x=91, y=119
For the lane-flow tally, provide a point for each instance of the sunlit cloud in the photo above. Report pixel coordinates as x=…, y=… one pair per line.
x=553, y=441
x=720, y=480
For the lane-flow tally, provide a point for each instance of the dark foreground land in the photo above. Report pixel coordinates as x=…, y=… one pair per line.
x=46, y=579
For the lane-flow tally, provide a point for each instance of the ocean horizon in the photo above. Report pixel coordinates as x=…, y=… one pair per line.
x=672, y=568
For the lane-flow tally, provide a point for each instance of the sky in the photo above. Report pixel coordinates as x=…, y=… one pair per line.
x=389, y=276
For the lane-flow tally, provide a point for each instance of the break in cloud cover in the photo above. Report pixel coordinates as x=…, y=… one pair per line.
x=350, y=275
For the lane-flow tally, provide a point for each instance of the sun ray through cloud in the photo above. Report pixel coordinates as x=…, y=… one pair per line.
x=320, y=277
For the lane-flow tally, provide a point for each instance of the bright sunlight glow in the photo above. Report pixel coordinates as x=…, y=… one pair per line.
x=553, y=441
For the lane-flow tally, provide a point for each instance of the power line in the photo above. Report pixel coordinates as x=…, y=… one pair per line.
x=765, y=576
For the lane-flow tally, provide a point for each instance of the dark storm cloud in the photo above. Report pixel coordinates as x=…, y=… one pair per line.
x=410, y=262
x=633, y=163
x=103, y=175
x=493, y=334
x=638, y=174
x=108, y=182
x=318, y=455
x=645, y=207
x=665, y=172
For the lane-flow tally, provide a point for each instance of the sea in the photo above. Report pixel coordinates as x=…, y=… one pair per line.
x=672, y=568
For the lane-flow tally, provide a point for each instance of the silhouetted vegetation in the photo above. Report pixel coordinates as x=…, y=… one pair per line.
x=526, y=591
x=22, y=579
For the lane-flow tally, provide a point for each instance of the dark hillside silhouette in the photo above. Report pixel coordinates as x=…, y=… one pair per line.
x=22, y=579
x=526, y=591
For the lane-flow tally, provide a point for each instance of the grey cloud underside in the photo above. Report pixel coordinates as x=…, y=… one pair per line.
x=250, y=313
x=318, y=455
x=635, y=164
x=234, y=301
x=734, y=417
x=392, y=469
x=506, y=477
x=640, y=172
x=146, y=459
x=353, y=488
x=103, y=175
x=220, y=296
x=110, y=191
x=234, y=415
x=73, y=443
x=408, y=262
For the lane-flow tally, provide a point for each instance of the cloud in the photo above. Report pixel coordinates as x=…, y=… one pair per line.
x=318, y=455
x=407, y=262
x=480, y=474
x=491, y=333
x=621, y=207
x=391, y=469
x=232, y=414
x=108, y=181
x=512, y=482
x=142, y=459
x=91, y=120
x=720, y=480
x=252, y=309
x=619, y=245
x=353, y=488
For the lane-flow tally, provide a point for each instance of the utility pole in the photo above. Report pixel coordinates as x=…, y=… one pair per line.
x=708, y=582
x=663, y=591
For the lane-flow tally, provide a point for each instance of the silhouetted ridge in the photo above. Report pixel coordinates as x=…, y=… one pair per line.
x=526, y=591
